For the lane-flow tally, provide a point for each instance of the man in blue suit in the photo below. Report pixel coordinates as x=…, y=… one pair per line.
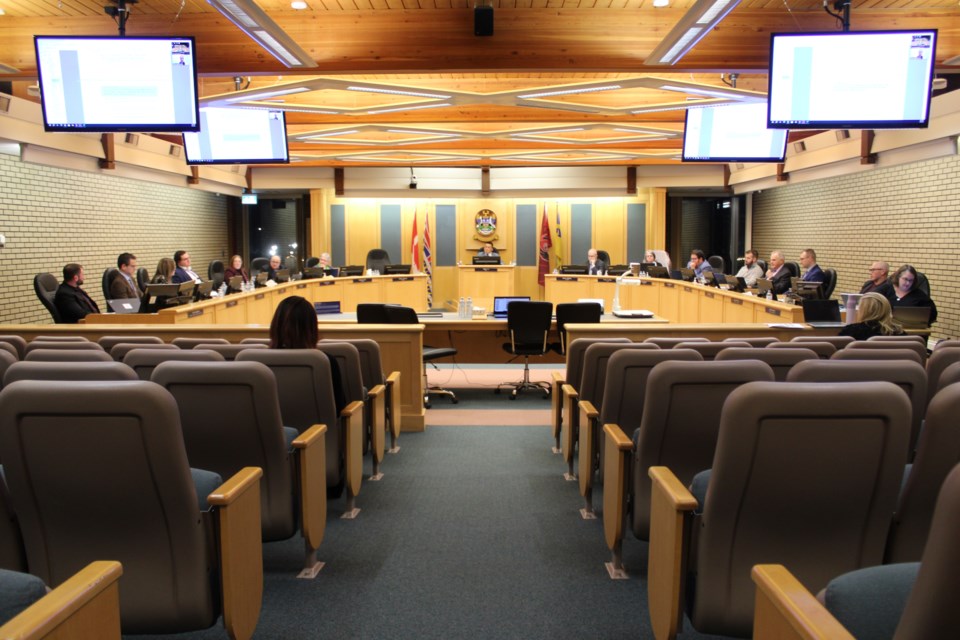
x=808, y=261
x=183, y=272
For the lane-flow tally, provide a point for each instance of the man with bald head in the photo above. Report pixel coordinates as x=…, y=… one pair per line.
x=879, y=274
x=777, y=273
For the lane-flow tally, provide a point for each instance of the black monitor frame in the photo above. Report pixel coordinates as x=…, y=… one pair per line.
x=351, y=271
x=283, y=275
x=657, y=271
x=574, y=269
x=486, y=259
x=396, y=270
x=687, y=274
x=811, y=290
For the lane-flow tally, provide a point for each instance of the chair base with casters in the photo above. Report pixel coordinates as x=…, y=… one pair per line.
x=429, y=354
x=525, y=384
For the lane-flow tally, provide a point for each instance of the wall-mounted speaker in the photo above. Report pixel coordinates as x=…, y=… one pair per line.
x=483, y=21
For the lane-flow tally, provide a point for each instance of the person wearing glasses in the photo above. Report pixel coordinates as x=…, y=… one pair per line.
x=879, y=274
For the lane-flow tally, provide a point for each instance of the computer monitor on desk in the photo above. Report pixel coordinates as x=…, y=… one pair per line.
x=159, y=296
x=765, y=287
x=283, y=275
x=486, y=259
x=618, y=269
x=656, y=271
x=351, y=271
x=807, y=290
x=501, y=303
x=687, y=274
x=396, y=269
x=574, y=269
x=202, y=291
x=235, y=283
x=261, y=278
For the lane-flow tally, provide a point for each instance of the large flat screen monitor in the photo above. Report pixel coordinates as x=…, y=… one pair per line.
x=851, y=80
x=238, y=136
x=732, y=133
x=104, y=84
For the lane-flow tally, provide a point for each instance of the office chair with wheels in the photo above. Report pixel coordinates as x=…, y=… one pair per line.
x=567, y=312
x=718, y=263
x=215, y=273
x=529, y=327
x=378, y=259
x=312, y=261
x=291, y=264
x=257, y=265
x=397, y=314
x=107, y=280
x=793, y=268
x=603, y=255
x=829, y=282
x=372, y=313
x=923, y=283
x=45, y=286
x=143, y=278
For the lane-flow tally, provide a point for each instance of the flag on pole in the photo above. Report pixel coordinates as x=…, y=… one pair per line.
x=428, y=260
x=415, y=246
x=545, y=244
x=558, y=247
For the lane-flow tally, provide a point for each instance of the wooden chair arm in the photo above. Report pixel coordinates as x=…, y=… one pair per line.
x=85, y=607
x=568, y=428
x=588, y=420
x=393, y=401
x=557, y=377
x=556, y=402
x=241, y=551
x=670, y=506
x=377, y=397
x=785, y=610
x=618, y=448
x=353, y=415
x=311, y=446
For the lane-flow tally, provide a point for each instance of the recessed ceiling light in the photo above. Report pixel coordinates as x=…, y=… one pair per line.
x=661, y=3
x=298, y=5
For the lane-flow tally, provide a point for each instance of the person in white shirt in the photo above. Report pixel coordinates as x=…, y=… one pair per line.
x=750, y=270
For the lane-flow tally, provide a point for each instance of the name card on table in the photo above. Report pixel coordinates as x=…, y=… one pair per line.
x=196, y=313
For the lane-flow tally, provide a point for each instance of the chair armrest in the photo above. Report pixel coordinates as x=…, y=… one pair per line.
x=588, y=423
x=670, y=507
x=352, y=415
x=787, y=611
x=556, y=401
x=377, y=398
x=618, y=448
x=570, y=416
x=85, y=607
x=393, y=402
x=311, y=446
x=241, y=551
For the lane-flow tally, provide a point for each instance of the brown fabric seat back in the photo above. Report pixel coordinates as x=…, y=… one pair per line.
x=18, y=342
x=920, y=348
x=593, y=377
x=190, y=343
x=347, y=358
x=901, y=338
x=60, y=338
x=6, y=361
x=667, y=343
x=906, y=374
x=950, y=375
x=118, y=486
x=71, y=345
x=838, y=341
x=305, y=389
x=371, y=368
x=780, y=360
x=938, y=361
x=823, y=349
x=68, y=355
x=805, y=475
x=931, y=609
x=120, y=350
x=709, y=350
x=68, y=371
x=231, y=419
x=107, y=342
x=230, y=351
x=867, y=353
x=681, y=420
x=937, y=453
x=575, y=351
x=143, y=361
x=756, y=342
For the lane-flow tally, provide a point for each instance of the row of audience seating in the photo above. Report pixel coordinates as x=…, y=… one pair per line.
x=100, y=463
x=781, y=468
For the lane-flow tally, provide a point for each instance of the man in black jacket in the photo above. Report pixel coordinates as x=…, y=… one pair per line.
x=71, y=301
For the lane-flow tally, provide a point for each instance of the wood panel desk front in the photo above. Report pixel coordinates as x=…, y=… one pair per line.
x=482, y=283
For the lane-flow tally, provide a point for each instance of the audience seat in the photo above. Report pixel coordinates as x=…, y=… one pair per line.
x=755, y=342
x=68, y=355
x=68, y=371
x=17, y=342
x=937, y=363
x=709, y=350
x=823, y=349
x=237, y=402
x=107, y=342
x=10, y=350
x=144, y=361
x=191, y=343
x=6, y=361
x=667, y=343
x=33, y=345
x=866, y=353
x=805, y=474
x=45, y=286
x=120, y=350
x=837, y=341
x=60, y=338
x=118, y=486
x=674, y=424
x=265, y=341
x=780, y=360
x=229, y=351
x=910, y=337
x=920, y=348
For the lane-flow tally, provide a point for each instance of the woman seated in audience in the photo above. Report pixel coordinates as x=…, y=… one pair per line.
x=874, y=318
x=235, y=269
x=294, y=326
x=902, y=291
x=164, y=272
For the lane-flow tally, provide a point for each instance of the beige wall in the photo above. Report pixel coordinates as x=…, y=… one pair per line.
x=904, y=214
x=51, y=216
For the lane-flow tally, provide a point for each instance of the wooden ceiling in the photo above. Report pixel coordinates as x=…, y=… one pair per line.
x=490, y=113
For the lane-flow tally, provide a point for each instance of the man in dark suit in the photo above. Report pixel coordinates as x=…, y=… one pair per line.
x=71, y=301
x=597, y=267
x=124, y=285
x=777, y=273
x=808, y=261
x=183, y=272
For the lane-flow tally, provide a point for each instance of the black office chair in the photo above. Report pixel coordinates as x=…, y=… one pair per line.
x=215, y=273
x=603, y=255
x=372, y=313
x=257, y=265
x=829, y=282
x=793, y=268
x=396, y=314
x=763, y=264
x=378, y=259
x=45, y=285
x=718, y=263
x=291, y=264
x=587, y=312
x=108, y=275
x=312, y=261
x=529, y=327
x=143, y=278
x=923, y=284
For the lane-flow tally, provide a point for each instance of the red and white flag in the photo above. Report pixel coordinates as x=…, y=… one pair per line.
x=415, y=246
x=428, y=260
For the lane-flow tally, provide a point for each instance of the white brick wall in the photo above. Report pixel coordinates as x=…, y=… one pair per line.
x=904, y=214
x=52, y=216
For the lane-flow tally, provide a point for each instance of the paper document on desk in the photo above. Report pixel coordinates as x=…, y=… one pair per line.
x=786, y=325
x=633, y=313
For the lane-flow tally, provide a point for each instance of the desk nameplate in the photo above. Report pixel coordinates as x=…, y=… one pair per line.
x=232, y=303
x=196, y=313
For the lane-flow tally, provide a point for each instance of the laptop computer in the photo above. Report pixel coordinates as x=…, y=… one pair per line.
x=764, y=287
x=500, y=304
x=821, y=313
x=912, y=317
x=124, y=305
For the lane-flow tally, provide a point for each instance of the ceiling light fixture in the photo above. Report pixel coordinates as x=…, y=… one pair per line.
x=699, y=20
x=410, y=108
x=262, y=95
x=331, y=133
x=716, y=93
x=398, y=92
x=299, y=5
x=253, y=21
x=5, y=68
x=566, y=92
x=661, y=3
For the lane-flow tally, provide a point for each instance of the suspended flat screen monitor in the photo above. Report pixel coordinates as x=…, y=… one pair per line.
x=851, y=80
x=104, y=84
x=238, y=136
x=732, y=133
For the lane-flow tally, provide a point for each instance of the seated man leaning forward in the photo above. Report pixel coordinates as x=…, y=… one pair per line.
x=750, y=270
x=777, y=273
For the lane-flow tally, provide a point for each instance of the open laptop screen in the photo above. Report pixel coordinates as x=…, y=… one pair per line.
x=500, y=304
